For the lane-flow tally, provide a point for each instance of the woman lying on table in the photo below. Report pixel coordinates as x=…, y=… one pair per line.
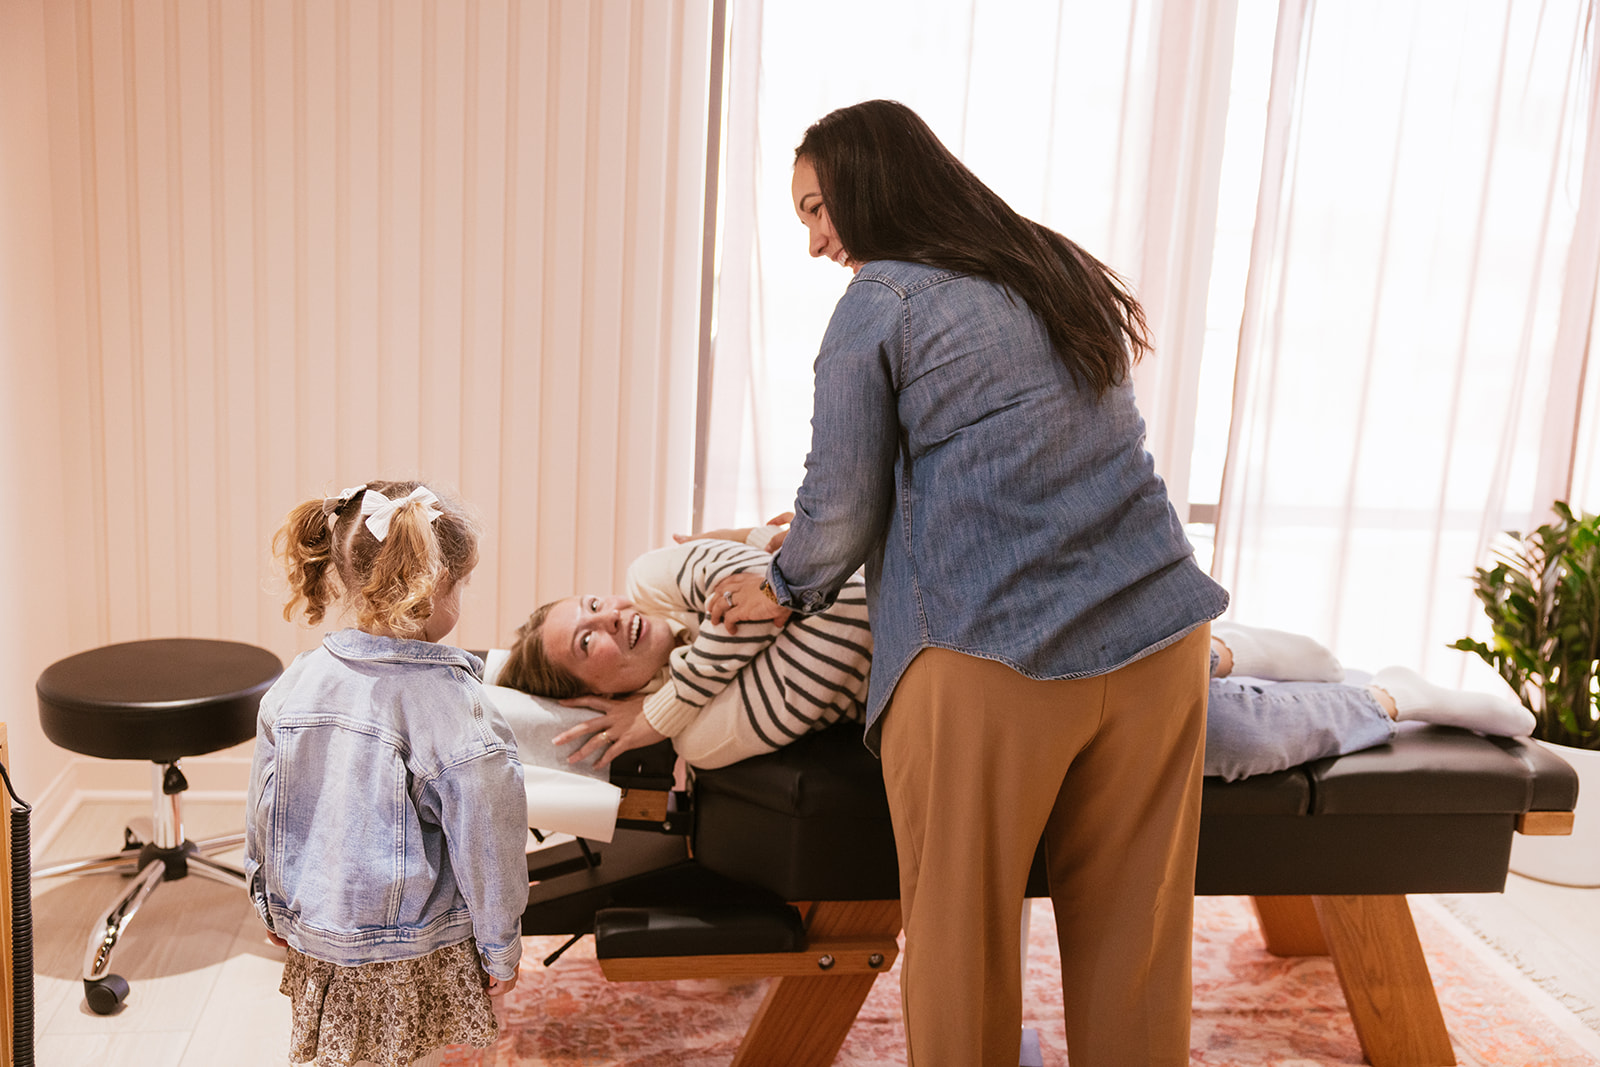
x=653, y=666
x=656, y=665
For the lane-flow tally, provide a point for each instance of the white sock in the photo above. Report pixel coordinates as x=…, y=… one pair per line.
x=1275, y=655
x=1419, y=700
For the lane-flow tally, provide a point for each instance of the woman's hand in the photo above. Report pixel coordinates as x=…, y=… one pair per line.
x=738, y=598
x=620, y=726
x=276, y=940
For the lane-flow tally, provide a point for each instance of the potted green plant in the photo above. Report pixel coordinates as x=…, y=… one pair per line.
x=1542, y=597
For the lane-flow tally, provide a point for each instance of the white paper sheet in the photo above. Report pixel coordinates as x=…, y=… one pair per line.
x=569, y=803
x=562, y=797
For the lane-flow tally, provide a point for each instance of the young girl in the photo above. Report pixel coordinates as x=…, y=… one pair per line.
x=384, y=844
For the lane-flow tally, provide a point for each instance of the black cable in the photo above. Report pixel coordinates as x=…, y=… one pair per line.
x=21, y=929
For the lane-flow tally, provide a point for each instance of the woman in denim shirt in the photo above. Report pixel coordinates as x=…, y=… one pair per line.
x=1041, y=627
x=384, y=847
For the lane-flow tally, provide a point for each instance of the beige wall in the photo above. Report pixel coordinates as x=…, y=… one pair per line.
x=34, y=628
x=257, y=250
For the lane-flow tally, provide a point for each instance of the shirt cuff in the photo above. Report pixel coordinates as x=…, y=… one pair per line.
x=502, y=963
x=666, y=713
x=809, y=602
x=761, y=536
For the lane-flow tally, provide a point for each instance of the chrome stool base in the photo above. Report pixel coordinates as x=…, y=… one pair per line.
x=169, y=857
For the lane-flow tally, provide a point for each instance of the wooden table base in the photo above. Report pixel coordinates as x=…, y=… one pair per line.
x=815, y=995
x=1375, y=951
x=808, y=1011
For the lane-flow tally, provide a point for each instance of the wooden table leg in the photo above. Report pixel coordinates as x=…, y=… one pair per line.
x=803, y=1021
x=1385, y=979
x=1289, y=926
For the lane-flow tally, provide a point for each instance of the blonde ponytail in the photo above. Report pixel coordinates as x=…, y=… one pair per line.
x=407, y=569
x=305, y=545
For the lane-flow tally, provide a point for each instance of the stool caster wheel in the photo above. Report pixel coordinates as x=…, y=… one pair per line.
x=104, y=994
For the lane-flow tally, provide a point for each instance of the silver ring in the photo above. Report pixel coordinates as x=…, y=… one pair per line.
x=728, y=596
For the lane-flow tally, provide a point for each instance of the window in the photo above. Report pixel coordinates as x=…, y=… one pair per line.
x=1398, y=291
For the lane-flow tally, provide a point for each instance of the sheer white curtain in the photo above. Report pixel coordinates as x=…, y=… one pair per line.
x=1421, y=275
x=1421, y=289
x=1102, y=120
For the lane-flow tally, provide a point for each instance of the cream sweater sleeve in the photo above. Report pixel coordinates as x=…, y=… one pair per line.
x=678, y=580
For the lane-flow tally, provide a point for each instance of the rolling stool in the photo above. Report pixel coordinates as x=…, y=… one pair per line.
x=153, y=700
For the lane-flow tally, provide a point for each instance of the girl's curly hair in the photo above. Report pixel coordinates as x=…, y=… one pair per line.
x=330, y=555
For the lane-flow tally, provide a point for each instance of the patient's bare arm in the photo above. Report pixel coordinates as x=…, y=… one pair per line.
x=741, y=534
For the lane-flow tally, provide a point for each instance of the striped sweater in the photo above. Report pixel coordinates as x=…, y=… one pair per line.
x=729, y=695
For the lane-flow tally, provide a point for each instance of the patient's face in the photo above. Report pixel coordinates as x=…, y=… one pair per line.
x=607, y=643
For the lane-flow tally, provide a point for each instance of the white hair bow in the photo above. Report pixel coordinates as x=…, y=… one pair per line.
x=333, y=505
x=380, y=510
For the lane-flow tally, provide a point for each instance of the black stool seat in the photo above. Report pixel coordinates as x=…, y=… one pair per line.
x=156, y=700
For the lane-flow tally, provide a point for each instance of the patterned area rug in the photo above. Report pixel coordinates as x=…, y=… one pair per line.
x=1250, y=1008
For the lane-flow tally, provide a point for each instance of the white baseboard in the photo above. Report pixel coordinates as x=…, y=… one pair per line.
x=221, y=777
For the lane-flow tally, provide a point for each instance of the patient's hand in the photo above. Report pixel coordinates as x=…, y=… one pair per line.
x=738, y=598
x=620, y=726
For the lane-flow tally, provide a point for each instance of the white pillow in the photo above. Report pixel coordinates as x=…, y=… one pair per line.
x=536, y=722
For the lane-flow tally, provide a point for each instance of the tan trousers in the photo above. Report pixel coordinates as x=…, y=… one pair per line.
x=981, y=763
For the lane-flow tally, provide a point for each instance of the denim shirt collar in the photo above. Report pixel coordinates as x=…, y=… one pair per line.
x=359, y=645
x=906, y=279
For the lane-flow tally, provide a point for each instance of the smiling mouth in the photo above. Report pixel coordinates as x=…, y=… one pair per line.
x=635, y=629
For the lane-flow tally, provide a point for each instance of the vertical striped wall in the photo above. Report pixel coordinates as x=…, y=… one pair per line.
x=33, y=630
x=303, y=243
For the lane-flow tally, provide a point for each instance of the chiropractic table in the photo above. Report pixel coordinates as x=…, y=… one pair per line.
x=783, y=866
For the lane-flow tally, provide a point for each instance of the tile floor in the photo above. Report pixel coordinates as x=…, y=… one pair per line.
x=204, y=978
x=205, y=981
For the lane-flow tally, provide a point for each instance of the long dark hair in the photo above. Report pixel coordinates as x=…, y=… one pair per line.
x=894, y=191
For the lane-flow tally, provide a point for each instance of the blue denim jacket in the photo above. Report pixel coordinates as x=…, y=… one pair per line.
x=1001, y=511
x=386, y=816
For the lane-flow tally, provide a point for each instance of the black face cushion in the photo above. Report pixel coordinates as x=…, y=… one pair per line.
x=155, y=700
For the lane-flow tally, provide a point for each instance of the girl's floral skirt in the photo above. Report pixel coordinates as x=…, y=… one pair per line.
x=391, y=1013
